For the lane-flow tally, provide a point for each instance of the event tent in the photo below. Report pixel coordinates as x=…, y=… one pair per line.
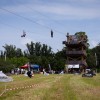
x=34, y=66
x=26, y=66
x=4, y=78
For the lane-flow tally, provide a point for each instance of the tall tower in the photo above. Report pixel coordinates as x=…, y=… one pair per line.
x=76, y=52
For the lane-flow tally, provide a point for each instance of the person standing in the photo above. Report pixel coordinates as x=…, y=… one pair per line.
x=29, y=74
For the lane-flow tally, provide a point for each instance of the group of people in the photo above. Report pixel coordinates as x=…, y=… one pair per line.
x=22, y=71
x=18, y=71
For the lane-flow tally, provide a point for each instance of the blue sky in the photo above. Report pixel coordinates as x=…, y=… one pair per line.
x=38, y=17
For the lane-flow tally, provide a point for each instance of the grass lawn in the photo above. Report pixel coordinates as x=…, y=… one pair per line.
x=52, y=87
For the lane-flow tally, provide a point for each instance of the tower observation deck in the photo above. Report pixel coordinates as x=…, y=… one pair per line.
x=76, y=52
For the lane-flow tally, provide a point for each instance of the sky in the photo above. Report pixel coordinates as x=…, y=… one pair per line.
x=38, y=17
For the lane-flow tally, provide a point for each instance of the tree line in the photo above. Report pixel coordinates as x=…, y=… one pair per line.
x=36, y=53
x=42, y=54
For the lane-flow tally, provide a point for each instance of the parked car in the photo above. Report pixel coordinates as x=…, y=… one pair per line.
x=87, y=75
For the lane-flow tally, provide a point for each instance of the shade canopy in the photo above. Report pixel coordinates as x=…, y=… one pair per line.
x=2, y=74
x=34, y=66
x=5, y=78
x=25, y=66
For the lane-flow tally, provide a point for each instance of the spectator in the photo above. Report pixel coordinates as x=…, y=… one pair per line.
x=29, y=74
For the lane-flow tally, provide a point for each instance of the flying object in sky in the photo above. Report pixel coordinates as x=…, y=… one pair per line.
x=51, y=33
x=24, y=34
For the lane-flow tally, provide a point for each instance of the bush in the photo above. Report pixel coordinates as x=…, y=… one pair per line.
x=5, y=66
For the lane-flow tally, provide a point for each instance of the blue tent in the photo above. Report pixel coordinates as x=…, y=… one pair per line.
x=34, y=66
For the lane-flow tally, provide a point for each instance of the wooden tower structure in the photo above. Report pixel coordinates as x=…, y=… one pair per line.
x=76, y=51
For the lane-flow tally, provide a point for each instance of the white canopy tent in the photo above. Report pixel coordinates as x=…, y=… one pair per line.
x=4, y=78
x=73, y=66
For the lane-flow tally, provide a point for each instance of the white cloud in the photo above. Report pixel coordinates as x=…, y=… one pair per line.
x=93, y=43
x=66, y=11
x=41, y=22
x=25, y=40
x=86, y=1
x=70, y=11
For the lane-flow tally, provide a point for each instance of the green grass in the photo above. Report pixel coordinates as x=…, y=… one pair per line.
x=52, y=87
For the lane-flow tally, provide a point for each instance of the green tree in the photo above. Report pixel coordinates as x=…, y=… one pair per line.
x=17, y=62
x=60, y=59
x=31, y=48
x=19, y=52
x=96, y=52
x=37, y=49
x=10, y=50
x=6, y=66
x=91, y=61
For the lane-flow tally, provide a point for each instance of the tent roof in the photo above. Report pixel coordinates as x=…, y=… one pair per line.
x=2, y=74
x=5, y=78
x=25, y=66
x=34, y=66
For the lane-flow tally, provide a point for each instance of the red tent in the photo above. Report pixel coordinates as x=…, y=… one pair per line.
x=25, y=66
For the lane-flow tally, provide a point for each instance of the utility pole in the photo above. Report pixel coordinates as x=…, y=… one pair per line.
x=49, y=68
x=5, y=56
x=96, y=59
x=0, y=53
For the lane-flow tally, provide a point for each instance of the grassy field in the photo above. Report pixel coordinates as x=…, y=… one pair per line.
x=52, y=87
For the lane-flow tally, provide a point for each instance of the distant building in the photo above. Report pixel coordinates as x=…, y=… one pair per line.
x=76, y=52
